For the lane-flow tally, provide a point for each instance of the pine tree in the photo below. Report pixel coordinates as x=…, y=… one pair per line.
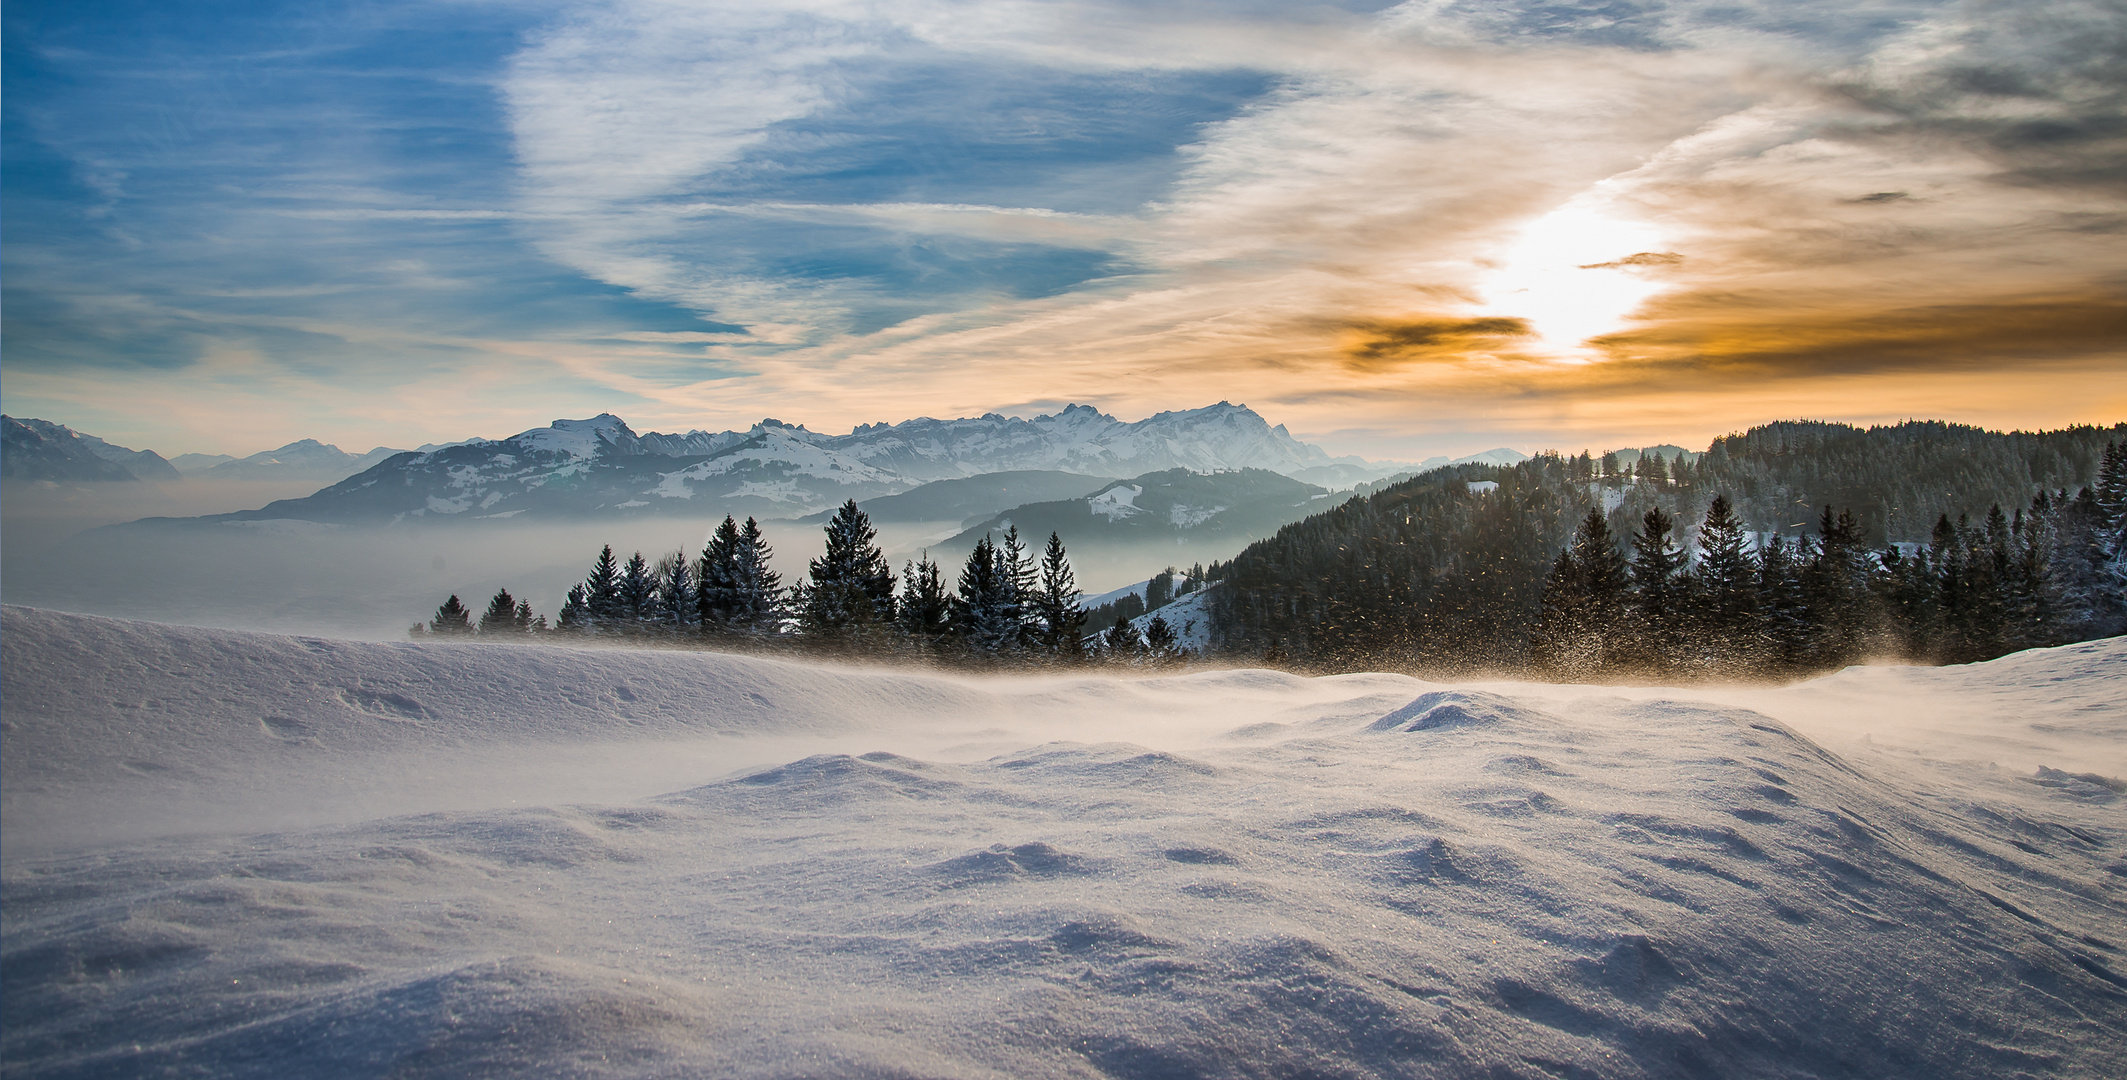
x=604, y=607
x=2111, y=487
x=925, y=610
x=1581, y=603
x=851, y=589
x=1660, y=593
x=638, y=593
x=501, y=614
x=674, y=601
x=984, y=610
x=1160, y=643
x=1022, y=580
x=1783, y=615
x=1159, y=591
x=523, y=620
x=451, y=618
x=757, y=592
x=1835, y=588
x=1062, y=620
x=1121, y=642
x=716, y=580
x=575, y=614
x=1726, y=589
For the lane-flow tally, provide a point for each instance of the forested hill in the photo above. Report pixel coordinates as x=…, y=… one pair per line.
x=1445, y=571
x=1897, y=480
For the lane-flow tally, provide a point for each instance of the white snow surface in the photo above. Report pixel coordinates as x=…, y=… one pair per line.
x=1119, y=501
x=1189, y=616
x=245, y=855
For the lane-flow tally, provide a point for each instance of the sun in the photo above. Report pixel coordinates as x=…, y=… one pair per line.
x=1576, y=273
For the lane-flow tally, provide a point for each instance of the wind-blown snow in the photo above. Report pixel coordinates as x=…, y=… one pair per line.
x=235, y=854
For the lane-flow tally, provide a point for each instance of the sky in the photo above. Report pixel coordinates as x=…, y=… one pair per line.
x=1400, y=230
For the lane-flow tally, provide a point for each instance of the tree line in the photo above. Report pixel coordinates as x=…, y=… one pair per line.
x=1568, y=569
x=1008, y=605
x=1721, y=565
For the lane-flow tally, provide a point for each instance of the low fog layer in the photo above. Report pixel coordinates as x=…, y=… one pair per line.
x=250, y=855
x=83, y=551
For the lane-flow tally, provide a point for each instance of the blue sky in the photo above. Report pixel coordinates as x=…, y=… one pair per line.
x=1397, y=228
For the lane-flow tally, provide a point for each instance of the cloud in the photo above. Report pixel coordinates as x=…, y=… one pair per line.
x=700, y=213
x=1379, y=344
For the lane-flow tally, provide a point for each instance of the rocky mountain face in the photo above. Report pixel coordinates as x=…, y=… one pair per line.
x=601, y=466
x=41, y=450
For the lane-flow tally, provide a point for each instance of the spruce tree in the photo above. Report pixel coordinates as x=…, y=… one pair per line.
x=575, y=614
x=523, y=621
x=674, y=602
x=1660, y=592
x=757, y=592
x=501, y=614
x=1783, y=615
x=1835, y=588
x=925, y=610
x=1726, y=590
x=451, y=618
x=1160, y=642
x=638, y=592
x=1056, y=604
x=2110, y=491
x=1581, y=600
x=985, y=611
x=716, y=579
x=604, y=606
x=1022, y=582
x=1121, y=642
x=851, y=588
x=1159, y=590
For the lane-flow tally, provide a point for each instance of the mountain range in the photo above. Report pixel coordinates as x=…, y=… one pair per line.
x=301, y=459
x=603, y=467
x=41, y=450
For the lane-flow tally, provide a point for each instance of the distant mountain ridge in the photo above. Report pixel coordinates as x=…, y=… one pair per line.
x=299, y=459
x=42, y=450
x=602, y=466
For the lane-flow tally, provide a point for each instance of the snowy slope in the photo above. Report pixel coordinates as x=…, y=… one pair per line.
x=897, y=875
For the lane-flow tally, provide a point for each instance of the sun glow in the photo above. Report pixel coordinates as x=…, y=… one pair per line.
x=1576, y=273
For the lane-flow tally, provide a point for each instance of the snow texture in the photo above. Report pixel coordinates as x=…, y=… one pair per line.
x=243, y=855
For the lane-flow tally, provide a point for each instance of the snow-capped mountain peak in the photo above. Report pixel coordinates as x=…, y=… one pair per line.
x=600, y=436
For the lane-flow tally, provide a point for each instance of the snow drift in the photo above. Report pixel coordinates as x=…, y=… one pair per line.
x=906, y=875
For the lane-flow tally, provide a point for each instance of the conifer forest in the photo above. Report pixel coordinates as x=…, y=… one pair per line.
x=1787, y=550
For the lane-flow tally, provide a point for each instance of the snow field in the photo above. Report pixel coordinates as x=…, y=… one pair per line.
x=911, y=875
